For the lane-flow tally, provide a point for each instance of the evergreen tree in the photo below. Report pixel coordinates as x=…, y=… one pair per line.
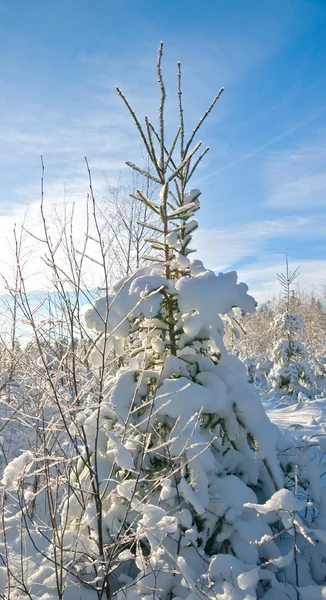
x=291, y=371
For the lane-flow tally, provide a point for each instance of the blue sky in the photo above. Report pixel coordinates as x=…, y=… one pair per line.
x=264, y=180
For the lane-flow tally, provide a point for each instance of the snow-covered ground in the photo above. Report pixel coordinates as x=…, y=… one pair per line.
x=306, y=418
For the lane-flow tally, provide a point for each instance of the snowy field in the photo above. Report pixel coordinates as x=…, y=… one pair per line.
x=305, y=419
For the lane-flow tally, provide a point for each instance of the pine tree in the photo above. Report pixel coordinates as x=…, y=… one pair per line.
x=291, y=371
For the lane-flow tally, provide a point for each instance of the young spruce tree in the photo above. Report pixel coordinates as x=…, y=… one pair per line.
x=291, y=373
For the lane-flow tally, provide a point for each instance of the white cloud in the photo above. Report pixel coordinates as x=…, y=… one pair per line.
x=90, y=118
x=262, y=281
x=102, y=128
x=224, y=248
x=244, y=249
x=296, y=178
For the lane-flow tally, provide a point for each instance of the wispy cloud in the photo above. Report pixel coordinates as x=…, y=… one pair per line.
x=269, y=143
x=227, y=248
x=87, y=117
x=296, y=177
x=263, y=285
x=248, y=250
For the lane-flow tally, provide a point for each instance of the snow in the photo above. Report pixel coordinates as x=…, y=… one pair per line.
x=156, y=524
x=248, y=579
x=283, y=561
x=177, y=393
x=129, y=298
x=281, y=500
x=232, y=497
x=126, y=555
x=191, y=196
x=121, y=454
x=183, y=261
x=190, y=496
x=308, y=419
x=187, y=574
x=289, y=323
x=310, y=592
x=208, y=296
x=16, y=470
x=172, y=239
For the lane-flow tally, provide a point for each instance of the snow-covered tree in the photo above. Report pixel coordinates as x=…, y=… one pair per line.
x=291, y=371
x=173, y=489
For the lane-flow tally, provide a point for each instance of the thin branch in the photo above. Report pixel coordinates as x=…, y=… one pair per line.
x=202, y=119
